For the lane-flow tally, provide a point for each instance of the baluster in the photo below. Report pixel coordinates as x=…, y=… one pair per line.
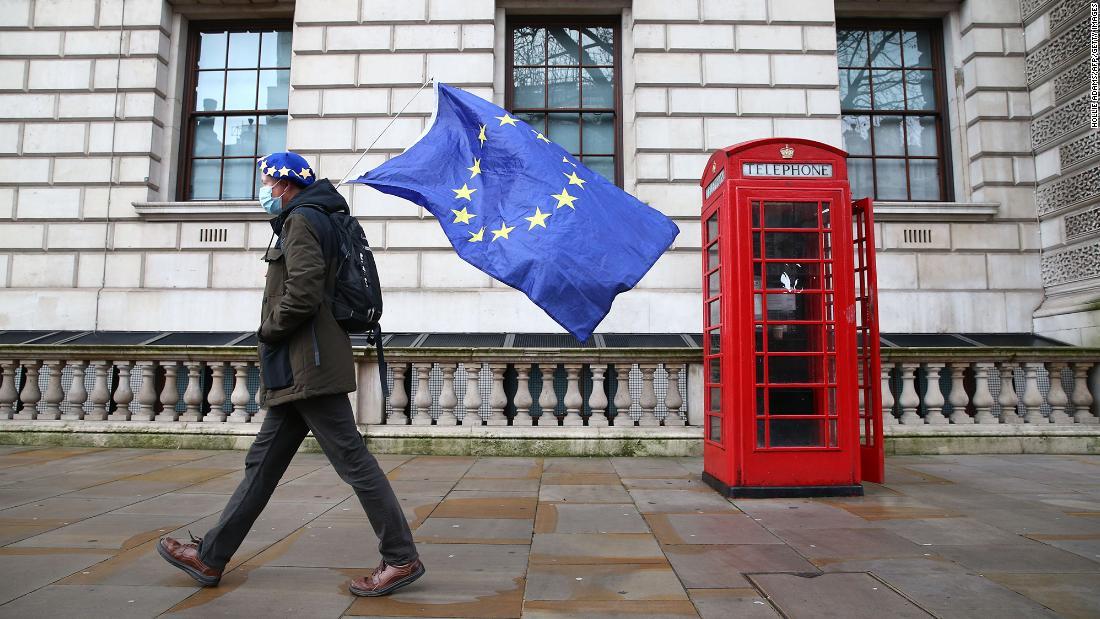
x=933, y=397
x=147, y=392
x=623, y=400
x=673, y=400
x=471, y=400
x=78, y=394
x=423, y=398
x=192, y=396
x=1033, y=398
x=1056, y=397
x=216, y=397
x=31, y=394
x=448, y=399
x=398, y=398
x=958, y=397
x=239, y=397
x=261, y=402
x=888, y=418
x=648, y=400
x=498, y=399
x=1082, y=399
x=983, y=398
x=100, y=394
x=523, y=398
x=170, y=394
x=548, y=400
x=573, y=400
x=54, y=394
x=597, y=400
x=124, y=394
x=8, y=394
x=1007, y=398
x=909, y=399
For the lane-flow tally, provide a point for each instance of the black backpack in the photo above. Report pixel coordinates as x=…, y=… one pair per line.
x=356, y=297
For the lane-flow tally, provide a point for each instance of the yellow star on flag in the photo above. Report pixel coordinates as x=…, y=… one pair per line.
x=481, y=136
x=538, y=219
x=270, y=171
x=506, y=120
x=540, y=136
x=463, y=216
x=305, y=173
x=464, y=192
x=566, y=160
x=575, y=180
x=564, y=199
x=284, y=171
x=478, y=236
x=476, y=168
x=503, y=232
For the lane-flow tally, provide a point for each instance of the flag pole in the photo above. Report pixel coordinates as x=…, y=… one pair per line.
x=383, y=132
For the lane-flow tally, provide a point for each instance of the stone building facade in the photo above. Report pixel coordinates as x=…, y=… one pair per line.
x=98, y=114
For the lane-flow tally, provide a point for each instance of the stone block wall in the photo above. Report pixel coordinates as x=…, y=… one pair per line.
x=697, y=75
x=1067, y=168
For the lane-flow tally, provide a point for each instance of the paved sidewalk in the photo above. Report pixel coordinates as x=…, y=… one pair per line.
x=954, y=536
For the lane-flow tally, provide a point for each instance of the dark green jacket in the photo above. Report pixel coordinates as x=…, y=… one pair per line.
x=303, y=351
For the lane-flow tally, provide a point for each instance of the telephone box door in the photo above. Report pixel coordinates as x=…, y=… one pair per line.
x=868, y=369
x=802, y=429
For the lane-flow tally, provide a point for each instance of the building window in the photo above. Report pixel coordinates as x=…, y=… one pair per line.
x=235, y=108
x=564, y=81
x=891, y=101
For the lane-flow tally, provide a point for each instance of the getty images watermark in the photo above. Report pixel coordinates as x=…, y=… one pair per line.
x=1094, y=60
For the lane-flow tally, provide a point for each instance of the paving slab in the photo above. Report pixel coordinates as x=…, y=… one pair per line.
x=578, y=465
x=264, y=592
x=336, y=544
x=1087, y=546
x=841, y=544
x=724, y=567
x=1069, y=595
x=107, y=531
x=853, y=595
x=502, y=506
x=474, y=531
x=722, y=528
x=621, y=609
x=800, y=514
x=665, y=483
x=584, y=493
x=738, y=602
x=962, y=595
x=589, y=518
x=95, y=601
x=582, y=548
x=679, y=501
x=949, y=532
x=495, y=484
x=603, y=582
x=27, y=569
x=1026, y=556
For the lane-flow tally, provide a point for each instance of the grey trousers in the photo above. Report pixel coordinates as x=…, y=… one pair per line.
x=333, y=425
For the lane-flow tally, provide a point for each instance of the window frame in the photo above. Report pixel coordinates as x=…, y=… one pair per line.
x=512, y=22
x=195, y=30
x=941, y=113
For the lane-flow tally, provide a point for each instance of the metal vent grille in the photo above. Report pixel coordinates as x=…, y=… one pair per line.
x=464, y=340
x=401, y=340
x=196, y=338
x=550, y=340
x=917, y=236
x=631, y=340
x=115, y=338
x=213, y=235
x=19, y=337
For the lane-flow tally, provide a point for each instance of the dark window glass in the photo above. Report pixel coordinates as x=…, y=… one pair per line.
x=892, y=110
x=236, y=107
x=563, y=81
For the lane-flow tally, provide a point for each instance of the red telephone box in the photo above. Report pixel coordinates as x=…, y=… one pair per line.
x=790, y=322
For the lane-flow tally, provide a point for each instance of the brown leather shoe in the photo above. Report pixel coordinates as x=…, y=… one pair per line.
x=186, y=557
x=386, y=579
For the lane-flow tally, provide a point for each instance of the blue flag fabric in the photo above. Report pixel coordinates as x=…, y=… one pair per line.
x=523, y=210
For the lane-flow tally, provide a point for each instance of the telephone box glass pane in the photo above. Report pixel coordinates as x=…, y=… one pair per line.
x=715, y=342
x=760, y=401
x=796, y=433
x=790, y=214
x=714, y=285
x=793, y=276
x=712, y=227
x=832, y=433
x=758, y=306
x=793, y=338
x=783, y=306
x=791, y=245
x=755, y=214
x=715, y=399
x=756, y=245
x=715, y=428
x=760, y=433
x=759, y=369
x=793, y=369
x=715, y=370
x=714, y=313
x=759, y=338
x=793, y=401
x=712, y=256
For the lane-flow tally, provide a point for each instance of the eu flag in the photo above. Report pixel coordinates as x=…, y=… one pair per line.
x=523, y=210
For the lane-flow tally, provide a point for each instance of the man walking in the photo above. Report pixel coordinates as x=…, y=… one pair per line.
x=306, y=364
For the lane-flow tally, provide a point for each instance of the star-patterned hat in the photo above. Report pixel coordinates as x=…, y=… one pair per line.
x=287, y=165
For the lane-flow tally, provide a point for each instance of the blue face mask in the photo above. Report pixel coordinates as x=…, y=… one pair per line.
x=270, y=203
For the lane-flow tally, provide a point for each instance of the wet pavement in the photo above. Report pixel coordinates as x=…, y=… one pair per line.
x=948, y=536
